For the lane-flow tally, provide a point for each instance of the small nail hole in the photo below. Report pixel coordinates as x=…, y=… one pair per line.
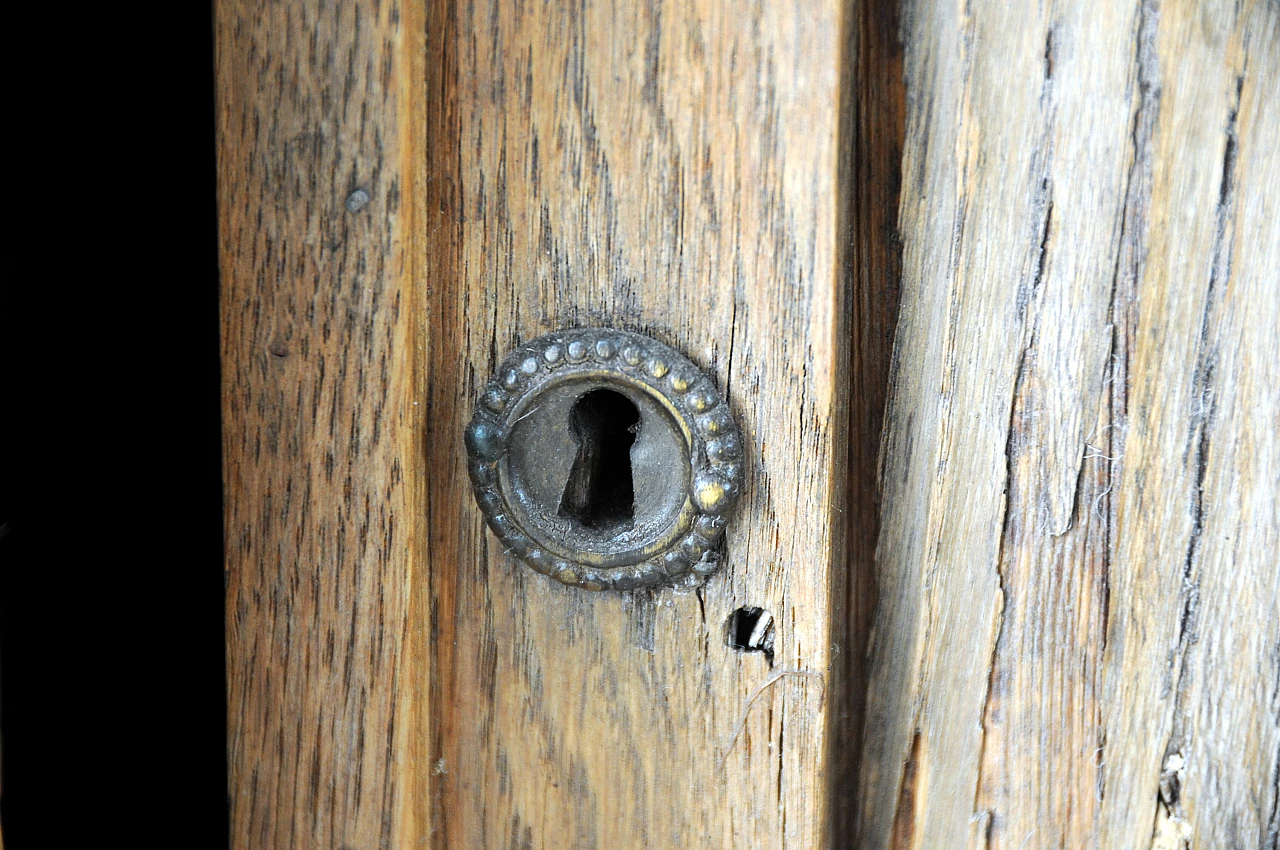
x=750, y=629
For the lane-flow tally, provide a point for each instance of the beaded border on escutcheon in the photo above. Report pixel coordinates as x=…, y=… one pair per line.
x=715, y=454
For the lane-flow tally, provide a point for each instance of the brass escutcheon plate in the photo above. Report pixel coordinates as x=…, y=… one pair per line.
x=606, y=460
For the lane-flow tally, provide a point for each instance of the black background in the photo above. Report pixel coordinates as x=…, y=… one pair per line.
x=112, y=682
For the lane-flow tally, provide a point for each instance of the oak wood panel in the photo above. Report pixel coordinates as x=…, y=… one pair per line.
x=1075, y=644
x=322, y=444
x=669, y=169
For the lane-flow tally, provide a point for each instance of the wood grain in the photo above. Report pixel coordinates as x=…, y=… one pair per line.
x=1075, y=644
x=322, y=443
x=1053, y=572
x=1193, y=678
x=669, y=169
x=402, y=200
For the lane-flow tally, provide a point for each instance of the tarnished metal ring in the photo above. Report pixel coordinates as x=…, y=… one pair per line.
x=700, y=460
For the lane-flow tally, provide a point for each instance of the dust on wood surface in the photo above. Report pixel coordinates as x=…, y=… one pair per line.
x=1076, y=642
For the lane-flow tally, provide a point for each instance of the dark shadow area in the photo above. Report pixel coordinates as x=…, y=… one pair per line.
x=873, y=130
x=112, y=695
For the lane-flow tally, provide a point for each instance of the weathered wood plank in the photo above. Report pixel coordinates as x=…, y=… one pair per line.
x=322, y=445
x=1053, y=624
x=671, y=169
x=1192, y=725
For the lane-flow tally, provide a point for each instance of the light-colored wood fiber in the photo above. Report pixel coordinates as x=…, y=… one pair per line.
x=1076, y=639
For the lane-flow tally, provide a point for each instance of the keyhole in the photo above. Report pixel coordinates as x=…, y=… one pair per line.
x=600, y=492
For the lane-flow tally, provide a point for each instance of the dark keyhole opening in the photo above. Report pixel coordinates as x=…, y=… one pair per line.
x=600, y=492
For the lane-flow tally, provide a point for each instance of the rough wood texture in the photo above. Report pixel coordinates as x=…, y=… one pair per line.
x=321, y=447
x=1074, y=513
x=670, y=169
x=1076, y=642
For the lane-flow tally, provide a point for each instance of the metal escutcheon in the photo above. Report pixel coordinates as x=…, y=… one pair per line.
x=605, y=460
